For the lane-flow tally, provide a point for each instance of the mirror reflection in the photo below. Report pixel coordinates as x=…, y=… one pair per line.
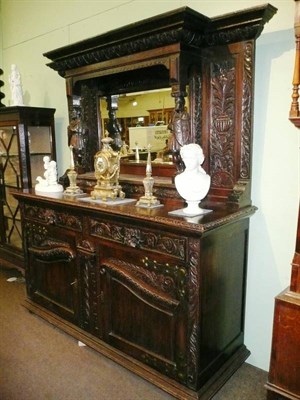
x=142, y=119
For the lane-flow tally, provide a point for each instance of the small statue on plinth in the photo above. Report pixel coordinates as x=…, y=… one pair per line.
x=148, y=200
x=16, y=86
x=73, y=189
x=49, y=183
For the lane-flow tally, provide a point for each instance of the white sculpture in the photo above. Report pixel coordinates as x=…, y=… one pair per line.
x=16, y=86
x=193, y=183
x=49, y=182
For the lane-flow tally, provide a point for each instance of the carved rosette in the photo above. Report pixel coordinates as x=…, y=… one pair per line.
x=222, y=146
x=139, y=238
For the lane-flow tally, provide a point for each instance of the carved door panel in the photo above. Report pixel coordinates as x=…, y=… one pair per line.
x=51, y=271
x=142, y=313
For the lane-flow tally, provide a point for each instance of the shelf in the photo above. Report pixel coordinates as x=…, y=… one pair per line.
x=40, y=154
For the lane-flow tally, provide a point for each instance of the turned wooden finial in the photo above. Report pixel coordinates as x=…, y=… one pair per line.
x=294, y=111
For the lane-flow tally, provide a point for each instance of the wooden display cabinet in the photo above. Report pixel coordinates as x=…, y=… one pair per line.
x=26, y=136
x=162, y=295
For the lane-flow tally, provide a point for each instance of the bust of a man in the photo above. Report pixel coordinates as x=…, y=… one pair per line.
x=193, y=183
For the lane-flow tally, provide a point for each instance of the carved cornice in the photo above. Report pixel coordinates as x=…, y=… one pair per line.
x=184, y=26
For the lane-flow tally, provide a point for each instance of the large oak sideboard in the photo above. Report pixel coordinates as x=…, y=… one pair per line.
x=163, y=296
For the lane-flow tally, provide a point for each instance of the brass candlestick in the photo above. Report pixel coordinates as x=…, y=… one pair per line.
x=148, y=200
x=73, y=189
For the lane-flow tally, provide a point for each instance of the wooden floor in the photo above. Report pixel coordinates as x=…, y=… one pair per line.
x=39, y=362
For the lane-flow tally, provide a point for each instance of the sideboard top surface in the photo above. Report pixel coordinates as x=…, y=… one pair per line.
x=219, y=216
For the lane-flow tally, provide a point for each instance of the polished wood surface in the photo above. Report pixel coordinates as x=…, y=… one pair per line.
x=156, y=289
x=168, y=51
x=162, y=295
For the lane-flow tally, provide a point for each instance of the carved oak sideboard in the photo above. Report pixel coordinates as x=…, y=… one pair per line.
x=163, y=296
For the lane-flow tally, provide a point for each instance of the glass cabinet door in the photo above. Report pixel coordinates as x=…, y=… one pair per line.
x=10, y=178
x=27, y=135
x=40, y=145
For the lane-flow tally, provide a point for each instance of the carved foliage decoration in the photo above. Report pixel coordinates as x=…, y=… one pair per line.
x=102, y=52
x=89, y=112
x=246, y=112
x=89, y=319
x=195, y=86
x=139, y=238
x=172, y=278
x=45, y=248
x=227, y=138
x=222, y=145
x=125, y=48
x=144, y=281
x=194, y=313
x=52, y=217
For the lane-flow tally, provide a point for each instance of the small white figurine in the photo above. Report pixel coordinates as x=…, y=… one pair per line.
x=49, y=182
x=16, y=86
x=124, y=151
x=193, y=183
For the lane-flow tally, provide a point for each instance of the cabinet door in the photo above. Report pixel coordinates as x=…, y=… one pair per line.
x=10, y=178
x=142, y=311
x=40, y=145
x=51, y=271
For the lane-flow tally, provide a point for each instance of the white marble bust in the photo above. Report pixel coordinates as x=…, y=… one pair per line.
x=193, y=183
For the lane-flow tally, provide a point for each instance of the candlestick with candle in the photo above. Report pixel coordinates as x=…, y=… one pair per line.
x=73, y=189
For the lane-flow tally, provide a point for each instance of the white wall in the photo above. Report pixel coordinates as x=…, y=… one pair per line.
x=31, y=28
